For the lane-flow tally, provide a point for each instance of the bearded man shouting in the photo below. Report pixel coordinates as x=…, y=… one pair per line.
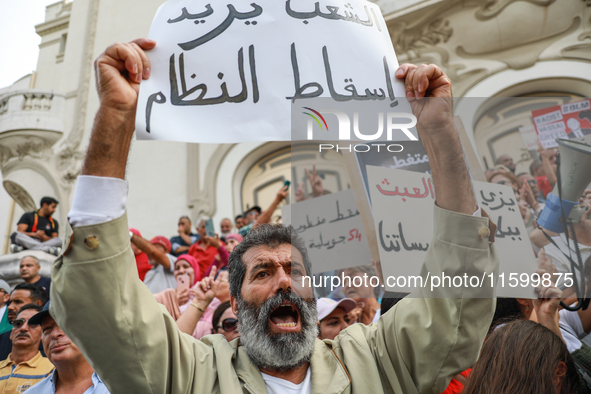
x=135, y=345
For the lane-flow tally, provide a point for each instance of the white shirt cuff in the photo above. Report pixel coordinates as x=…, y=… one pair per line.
x=98, y=200
x=478, y=212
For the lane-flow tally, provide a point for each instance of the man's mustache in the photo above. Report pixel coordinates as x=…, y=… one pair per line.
x=23, y=334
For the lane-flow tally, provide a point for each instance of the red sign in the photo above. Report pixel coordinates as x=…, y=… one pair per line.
x=571, y=120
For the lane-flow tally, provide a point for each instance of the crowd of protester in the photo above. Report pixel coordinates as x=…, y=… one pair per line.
x=532, y=346
x=188, y=275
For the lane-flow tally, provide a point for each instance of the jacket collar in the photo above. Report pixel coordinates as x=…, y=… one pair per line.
x=329, y=374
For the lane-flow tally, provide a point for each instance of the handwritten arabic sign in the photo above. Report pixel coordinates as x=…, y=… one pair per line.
x=228, y=72
x=332, y=231
x=571, y=120
x=402, y=202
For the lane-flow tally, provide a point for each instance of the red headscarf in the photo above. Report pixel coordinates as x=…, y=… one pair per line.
x=193, y=261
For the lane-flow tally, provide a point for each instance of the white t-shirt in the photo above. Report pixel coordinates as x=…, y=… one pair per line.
x=282, y=386
x=571, y=329
x=159, y=278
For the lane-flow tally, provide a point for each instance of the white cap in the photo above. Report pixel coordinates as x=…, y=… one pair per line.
x=5, y=286
x=327, y=305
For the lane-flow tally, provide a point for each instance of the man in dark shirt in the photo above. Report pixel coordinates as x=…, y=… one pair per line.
x=182, y=242
x=37, y=230
x=29, y=270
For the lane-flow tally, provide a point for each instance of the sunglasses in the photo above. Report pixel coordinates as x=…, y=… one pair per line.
x=18, y=323
x=229, y=324
x=532, y=182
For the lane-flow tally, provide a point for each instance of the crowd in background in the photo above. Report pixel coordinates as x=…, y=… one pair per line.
x=534, y=346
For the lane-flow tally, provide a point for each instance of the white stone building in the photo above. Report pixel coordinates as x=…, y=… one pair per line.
x=491, y=49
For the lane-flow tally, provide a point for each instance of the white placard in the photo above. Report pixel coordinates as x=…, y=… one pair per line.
x=548, y=134
x=402, y=203
x=227, y=72
x=331, y=229
x=530, y=137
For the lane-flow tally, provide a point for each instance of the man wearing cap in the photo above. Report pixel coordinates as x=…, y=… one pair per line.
x=332, y=316
x=25, y=365
x=5, y=326
x=72, y=373
x=161, y=276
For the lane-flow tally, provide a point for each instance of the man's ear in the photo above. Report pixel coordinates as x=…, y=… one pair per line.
x=234, y=305
x=559, y=375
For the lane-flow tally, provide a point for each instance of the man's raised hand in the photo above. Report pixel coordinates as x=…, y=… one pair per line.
x=119, y=71
x=427, y=81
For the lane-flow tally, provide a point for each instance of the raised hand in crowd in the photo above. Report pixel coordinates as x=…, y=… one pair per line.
x=527, y=195
x=213, y=241
x=546, y=306
x=204, y=292
x=265, y=216
x=207, y=288
x=315, y=182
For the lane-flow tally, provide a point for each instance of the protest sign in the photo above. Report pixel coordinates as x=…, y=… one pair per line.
x=571, y=120
x=227, y=72
x=530, y=137
x=402, y=203
x=331, y=229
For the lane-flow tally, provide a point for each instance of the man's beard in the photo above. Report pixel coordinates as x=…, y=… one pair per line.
x=277, y=351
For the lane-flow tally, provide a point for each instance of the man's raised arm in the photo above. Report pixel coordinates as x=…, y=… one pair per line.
x=131, y=342
x=434, y=334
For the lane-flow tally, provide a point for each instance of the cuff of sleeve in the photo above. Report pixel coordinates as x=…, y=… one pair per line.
x=98, y=200
x=470, y=231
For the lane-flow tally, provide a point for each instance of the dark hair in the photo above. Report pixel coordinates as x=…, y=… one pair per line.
x=521, y=357
x=237, y=217
x=48, y=201
x=217, y=315
x=500, y=157
x=534, y=166
x=38, y=293
x=185, y=217
x=507, y=309
x=270, y=235
x=390, y=299
x=36, y=307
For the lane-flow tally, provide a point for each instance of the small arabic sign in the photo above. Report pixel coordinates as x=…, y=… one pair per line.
x=402, y=204
x=228, y=72
x=332, y=231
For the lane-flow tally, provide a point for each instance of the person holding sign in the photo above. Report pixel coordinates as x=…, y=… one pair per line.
x=136, y=347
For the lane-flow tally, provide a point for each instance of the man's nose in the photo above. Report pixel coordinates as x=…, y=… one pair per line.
x=283, y=280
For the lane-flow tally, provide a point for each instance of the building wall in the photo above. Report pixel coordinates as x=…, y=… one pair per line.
x=489, y=49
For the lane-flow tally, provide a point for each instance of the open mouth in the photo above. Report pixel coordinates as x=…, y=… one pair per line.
x=286, y=317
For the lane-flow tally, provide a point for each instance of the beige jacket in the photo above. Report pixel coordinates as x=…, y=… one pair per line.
x=135, y=346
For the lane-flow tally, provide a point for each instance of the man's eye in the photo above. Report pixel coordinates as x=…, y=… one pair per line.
x=261, y=274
